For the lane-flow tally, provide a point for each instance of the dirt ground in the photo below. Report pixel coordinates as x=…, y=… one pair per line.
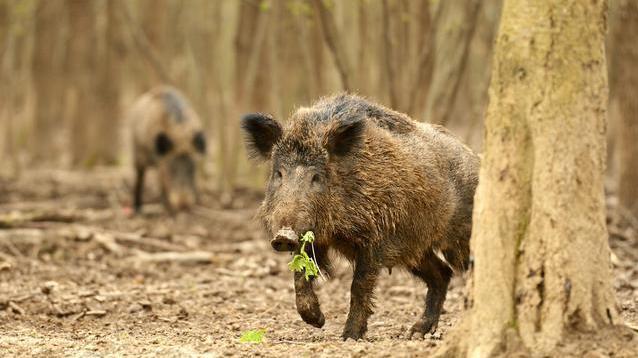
x=80, y=276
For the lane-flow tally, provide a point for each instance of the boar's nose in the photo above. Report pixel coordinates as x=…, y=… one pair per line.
x=285, y=240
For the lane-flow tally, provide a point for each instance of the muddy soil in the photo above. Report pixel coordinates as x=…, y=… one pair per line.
x=81, y=276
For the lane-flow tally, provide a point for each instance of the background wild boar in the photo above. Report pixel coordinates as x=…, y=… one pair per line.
x=376, y=187
x=167, y=134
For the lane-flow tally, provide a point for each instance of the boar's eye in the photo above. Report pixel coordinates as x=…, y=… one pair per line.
x=278, y=174
x=317, y=179
x=199, y=142
x=163, y=144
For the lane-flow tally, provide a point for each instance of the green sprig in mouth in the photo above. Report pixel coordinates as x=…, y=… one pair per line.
x=301, y=262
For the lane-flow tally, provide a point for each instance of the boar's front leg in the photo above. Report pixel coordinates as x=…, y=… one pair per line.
x=307, y=301
x=305, y=296
x=366, y=272
x=139, y=188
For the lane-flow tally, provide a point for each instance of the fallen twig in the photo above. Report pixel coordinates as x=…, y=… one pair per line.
x=191, y=257
x=150, y=242
x=108, y=242
x=97, y=313
x=17, y=309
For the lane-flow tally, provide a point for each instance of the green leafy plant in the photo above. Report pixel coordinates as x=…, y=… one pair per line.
x=301, y=262
x=253, y=336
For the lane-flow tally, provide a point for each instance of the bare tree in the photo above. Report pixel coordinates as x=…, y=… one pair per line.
x=542, y=260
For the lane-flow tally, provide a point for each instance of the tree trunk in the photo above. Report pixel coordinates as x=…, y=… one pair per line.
x=542, y=260
x=47, y=84
x=454, y=32
x=339, y=54
x=248, y=41
x=624, y=60
x=107, y=120
x=81, y=64
x=155, y=25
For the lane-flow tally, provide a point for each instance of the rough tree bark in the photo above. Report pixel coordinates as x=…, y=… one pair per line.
x=624, y=60
x=542, y=260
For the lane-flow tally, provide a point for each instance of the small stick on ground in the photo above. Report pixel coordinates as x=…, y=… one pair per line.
x=17, y=309
x=191, y=257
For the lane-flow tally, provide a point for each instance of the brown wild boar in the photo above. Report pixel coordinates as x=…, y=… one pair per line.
x=374, y=186
x=168, y=135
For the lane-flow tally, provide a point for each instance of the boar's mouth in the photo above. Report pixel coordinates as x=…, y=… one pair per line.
x=286, y=240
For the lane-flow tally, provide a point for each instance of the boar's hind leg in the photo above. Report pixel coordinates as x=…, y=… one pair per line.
x=139, y=188
x=436, y=275
x=366, y=272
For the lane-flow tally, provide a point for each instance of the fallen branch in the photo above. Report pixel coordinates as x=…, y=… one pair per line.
x=16, y=309
x=191, y=257
x=108, y=242
x=154, y=243
x=97, y=313
x=17, y=218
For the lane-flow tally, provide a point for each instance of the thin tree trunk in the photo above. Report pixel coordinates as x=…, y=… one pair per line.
x=542, y=260
x=624, y=59
x=47, y=85
x=388, y=56
x=477, y=74
x=419, y=87
x=155, y=25
x=454, y=33
x=148, y=51
x=339, y=55
x=81, y=64
x=107, y=120
x=249, y=37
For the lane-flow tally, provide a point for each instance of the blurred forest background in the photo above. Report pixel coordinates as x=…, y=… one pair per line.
x=71, y=68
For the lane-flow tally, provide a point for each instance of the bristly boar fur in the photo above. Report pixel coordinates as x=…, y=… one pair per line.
x=375, y=186
x=167, y=135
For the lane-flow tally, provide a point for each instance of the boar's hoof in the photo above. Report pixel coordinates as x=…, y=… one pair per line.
x=352, y=332
x=285, y=240
x=423, y=326
x=313, y=317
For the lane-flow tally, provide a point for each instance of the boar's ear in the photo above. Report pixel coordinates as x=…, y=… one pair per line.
x=163, y=144
x=262, y=132
x=199, y=142
x=343, y=137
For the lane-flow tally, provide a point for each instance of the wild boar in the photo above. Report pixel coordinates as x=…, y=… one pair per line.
x=167, y=135
x=374, y=186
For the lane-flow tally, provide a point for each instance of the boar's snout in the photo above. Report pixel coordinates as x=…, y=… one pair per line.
x=285, y=240
x=182, y=199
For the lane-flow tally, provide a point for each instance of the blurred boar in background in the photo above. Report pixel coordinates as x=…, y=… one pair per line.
x=373, y=185
x=168, y=135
